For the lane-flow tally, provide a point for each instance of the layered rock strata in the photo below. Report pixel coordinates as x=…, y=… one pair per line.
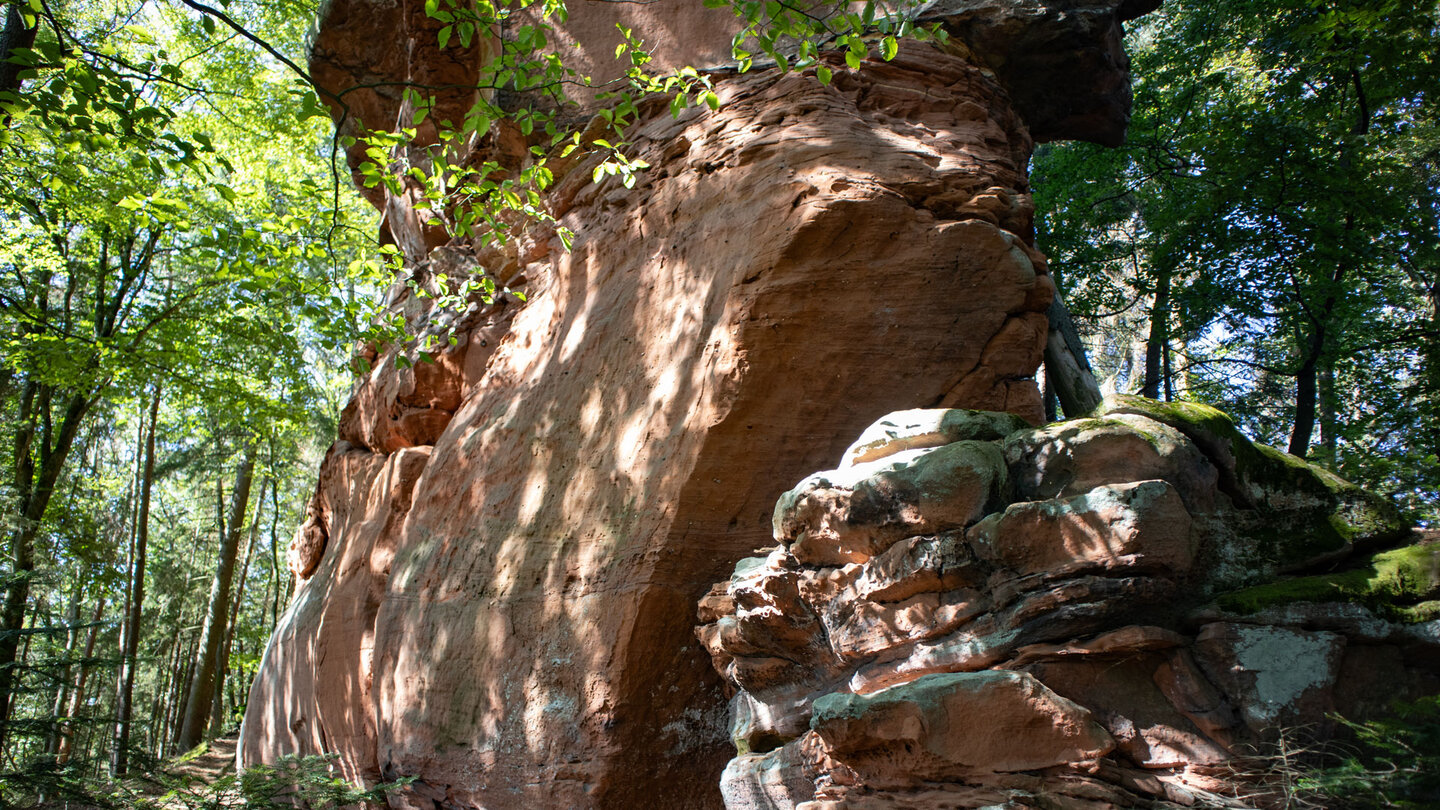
x=496, y=579
x=973, y=613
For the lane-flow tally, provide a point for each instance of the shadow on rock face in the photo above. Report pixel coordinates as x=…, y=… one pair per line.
x=496, y=589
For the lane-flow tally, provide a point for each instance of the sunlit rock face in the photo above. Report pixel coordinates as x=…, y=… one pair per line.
x=498, y=576
x=971, y=614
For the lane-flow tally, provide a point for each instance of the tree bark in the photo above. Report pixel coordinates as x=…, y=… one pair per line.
x=62, y=684
x=207, y=653
x=1066, y=366
x=1305, y=395
x=275, y=556
x=222, y=667
x=1159, y=338
x=1169, y=375
x=130, y=645
x=35, y=485
x=1430, y=359
x=1329, y=418
x=77, y=698
x=15, y=35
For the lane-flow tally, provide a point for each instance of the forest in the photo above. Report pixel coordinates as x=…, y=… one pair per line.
x=186, y=272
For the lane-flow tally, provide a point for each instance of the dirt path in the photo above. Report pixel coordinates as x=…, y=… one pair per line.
x=217, y=761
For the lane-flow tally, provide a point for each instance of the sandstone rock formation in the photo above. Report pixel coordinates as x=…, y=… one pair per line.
x=1062, y=617
x=498, y=573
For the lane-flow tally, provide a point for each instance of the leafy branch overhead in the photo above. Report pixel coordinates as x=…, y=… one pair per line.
x=524, y=85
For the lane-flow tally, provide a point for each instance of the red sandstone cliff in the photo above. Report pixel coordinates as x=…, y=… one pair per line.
x=497, y=583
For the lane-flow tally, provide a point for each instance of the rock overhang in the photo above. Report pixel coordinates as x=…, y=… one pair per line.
x=1062, y=61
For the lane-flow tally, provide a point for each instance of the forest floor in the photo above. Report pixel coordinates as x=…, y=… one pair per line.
x=217, y=761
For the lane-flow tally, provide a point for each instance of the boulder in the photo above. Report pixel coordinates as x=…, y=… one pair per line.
x=776, y=780
x=1139, y=525
x=1281, y=497
x=941, y=727
x=717, y=332
x=497, y=571
x=928, y=427
x=1280, y=679
x=1097, y=596
x=853, y=514
x=1070, y=458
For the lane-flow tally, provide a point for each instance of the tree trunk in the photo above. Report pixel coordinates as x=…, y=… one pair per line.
x=1329, y=420
x=1159, y=338
x=1066, y=366
x=222, y=667
x=62, y=683
x=1169, y=375
x=275, y=556
x=130, y=645
x=1431, y=363
x=77, y=697
x=207, y=653
x=35, y=485
x=1306, y=390
x=15, y=35
x=184, y=653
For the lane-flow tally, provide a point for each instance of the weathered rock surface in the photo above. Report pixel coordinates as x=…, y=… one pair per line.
x=928, y=728
x=497, y=576
x=1082, y=633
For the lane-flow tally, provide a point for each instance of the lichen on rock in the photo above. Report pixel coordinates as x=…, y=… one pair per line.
x=928, y=662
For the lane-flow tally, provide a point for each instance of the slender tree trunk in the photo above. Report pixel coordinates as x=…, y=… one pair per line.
x=130, y=646
x=1066, y=366
x=207, y=653
x=222, y=667
x=35, y=484
x=77, y=696
x=174, y=688
x=184, y=651
x=1158, y=341
x=1169, y=375
x=62, y=686
x=1306, y=390
x=275, y=557
x=1430, y=363
x=1329, y=418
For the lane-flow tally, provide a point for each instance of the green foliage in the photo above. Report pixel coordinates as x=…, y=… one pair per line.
x=1272, y=224
x=792, y=35
x=293, y=781
x=166, y=223
x=1397, y=764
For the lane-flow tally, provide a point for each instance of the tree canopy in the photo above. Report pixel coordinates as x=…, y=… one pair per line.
x=1266, y=240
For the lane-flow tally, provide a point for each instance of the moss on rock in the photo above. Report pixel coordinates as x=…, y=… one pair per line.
x=1298, y=510
x=1402, y=584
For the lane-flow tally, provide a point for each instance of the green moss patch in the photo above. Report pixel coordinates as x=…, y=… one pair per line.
x=1311, y=507
x=1402, y=584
